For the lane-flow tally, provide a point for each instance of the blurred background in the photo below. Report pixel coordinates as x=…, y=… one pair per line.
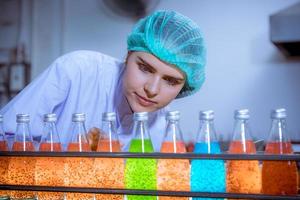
x=253, y=49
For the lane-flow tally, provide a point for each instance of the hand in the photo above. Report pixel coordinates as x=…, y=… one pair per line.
x=94, y=134
x=190, y=147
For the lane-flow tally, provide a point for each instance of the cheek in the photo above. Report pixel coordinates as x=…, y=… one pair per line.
x=134, y=79
x=169, y=93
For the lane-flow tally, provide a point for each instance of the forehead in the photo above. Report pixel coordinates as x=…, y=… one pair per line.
x=159, y=65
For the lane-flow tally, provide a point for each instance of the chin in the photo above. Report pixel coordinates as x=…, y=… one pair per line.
x=139, y=108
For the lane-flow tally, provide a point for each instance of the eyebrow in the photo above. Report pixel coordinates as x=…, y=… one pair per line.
x=146, y=63
x=152, y=68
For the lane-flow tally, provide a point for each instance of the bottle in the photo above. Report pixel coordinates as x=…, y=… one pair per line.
x=207, y=175
x=109, y=141
x=49, y=171
x=109, y=172
x=3, y=160
x=243, y=176
x=79, y=140
x=80, y=171
x=173, y=174
x=21, y=169
x=279, y=177
x=3, y=139
x=23, y=139
x=50, y=139
x=140, y=173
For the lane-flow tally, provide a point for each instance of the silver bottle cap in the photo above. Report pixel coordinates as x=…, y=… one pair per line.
x=78, y=117
x=1, y=118
x=23, y=118
x=278, y=113
x=173, y=115
x=140, y=116
x=242, y=114
x=206, y=115
x=109, y=116
x=51, y=117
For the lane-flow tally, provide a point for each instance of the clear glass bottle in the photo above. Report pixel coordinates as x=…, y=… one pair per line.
x=109, y=172
x=140, y=173
x=279, y=177
x=3, y=139
x=21, y=169
x=80, y=171
x=173, y=140
x=109, y=141
x=207, y=175
x=206, y=141
x=141, y=142
x=50, y=139
x=79, y=140
x=173, y=174
x=49, y=171
x=23, y=139
x=242, y=140
x=243, y=176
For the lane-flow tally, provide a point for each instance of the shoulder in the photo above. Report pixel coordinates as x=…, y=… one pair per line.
x=87, y=62
x=86, y=55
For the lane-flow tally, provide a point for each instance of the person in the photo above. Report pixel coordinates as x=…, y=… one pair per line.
x=165, y=61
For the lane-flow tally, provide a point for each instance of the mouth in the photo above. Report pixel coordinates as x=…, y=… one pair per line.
x=144, y=101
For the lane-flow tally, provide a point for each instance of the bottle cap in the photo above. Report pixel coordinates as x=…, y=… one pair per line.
x=109, y=116
x=278, y=113
x=140, y=116
x=23, y=118
x=51, y=117
x=242, y=114
x=206, y=115
x=78, y=117
x=173, y=115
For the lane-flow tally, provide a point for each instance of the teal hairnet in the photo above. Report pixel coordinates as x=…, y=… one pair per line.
x=175, y=39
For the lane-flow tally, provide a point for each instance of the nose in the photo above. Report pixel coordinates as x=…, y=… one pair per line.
x=152, y=87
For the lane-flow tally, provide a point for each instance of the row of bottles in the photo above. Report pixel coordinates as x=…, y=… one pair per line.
x=57, y=171
x=275, y=177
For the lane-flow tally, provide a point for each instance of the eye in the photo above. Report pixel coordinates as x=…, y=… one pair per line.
x=144, y=68
x=172, y=81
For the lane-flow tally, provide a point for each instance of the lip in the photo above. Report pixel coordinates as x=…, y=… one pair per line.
x=144, y=101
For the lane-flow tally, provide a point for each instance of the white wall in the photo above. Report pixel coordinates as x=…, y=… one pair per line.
x=244, y=69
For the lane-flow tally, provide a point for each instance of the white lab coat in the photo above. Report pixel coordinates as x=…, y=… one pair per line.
x=81, y=81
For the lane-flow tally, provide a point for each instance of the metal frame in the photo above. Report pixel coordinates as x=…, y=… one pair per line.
x=225, y=156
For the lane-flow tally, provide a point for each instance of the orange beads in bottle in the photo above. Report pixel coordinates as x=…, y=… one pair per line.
x=3, y=160
x=279, y=177
x=21, y=169
x=242, y=176
x=173, y=174
x=49, y=171
x=79, y=171
x=109, y=172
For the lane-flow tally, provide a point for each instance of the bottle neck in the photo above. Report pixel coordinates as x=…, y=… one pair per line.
x=79, y=133
x=173, y=135
x=140, y=130
x=2, y=133
x=50, y=133
x=173, y=132
x=241, y=130
x=141, y=134
x=278, y=132
x=110, y=135
x=206, y=133
x=109, y=130
x=23, y=133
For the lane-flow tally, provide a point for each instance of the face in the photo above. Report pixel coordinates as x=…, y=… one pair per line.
x=149, y=83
